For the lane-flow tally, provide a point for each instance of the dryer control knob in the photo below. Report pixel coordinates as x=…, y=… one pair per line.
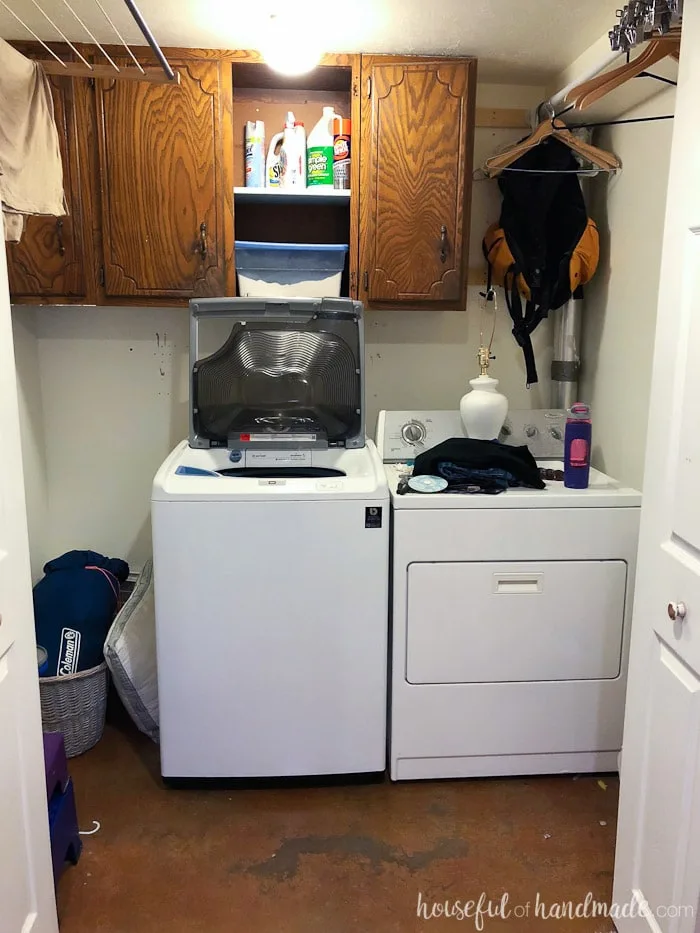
x=531, y=430
x=413, y=432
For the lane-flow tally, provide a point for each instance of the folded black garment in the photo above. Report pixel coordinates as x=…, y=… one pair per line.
x=480, y=455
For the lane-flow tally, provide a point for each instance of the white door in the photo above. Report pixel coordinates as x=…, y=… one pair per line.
x=27, y=902
x=657, y=866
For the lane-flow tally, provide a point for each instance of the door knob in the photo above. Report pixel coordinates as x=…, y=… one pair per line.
x=676, y=611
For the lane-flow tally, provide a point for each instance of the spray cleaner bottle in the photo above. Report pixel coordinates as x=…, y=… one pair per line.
x=255, y=154
x=341, y=153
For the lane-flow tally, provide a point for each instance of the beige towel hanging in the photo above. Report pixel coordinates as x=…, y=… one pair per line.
x=31, y=173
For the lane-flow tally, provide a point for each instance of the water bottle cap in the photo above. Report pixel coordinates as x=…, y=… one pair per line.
x=580, y=410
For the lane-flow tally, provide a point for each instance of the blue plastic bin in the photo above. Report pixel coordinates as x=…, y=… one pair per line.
x=302, y=270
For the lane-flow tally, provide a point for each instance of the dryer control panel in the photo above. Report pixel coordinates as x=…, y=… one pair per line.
x=402, y=435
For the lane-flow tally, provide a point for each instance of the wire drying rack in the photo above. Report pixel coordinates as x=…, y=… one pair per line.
x=84, y=68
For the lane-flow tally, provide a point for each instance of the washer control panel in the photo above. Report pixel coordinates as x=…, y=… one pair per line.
x=403, y=435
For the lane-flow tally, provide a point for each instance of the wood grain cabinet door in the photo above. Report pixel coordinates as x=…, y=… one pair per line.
x=415, y=179
x=167, y=213
x=48, y=262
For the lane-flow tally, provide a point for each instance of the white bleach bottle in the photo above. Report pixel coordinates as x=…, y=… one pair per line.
x=292, y=154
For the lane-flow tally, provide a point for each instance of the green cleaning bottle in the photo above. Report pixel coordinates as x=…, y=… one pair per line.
x=319, y=152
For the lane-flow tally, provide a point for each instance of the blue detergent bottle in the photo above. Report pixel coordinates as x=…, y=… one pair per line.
x=577, y=447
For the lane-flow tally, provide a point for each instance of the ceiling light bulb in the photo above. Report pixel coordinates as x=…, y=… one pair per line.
x=290, y=47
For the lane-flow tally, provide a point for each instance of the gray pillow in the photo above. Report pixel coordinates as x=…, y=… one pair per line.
x=130, y=653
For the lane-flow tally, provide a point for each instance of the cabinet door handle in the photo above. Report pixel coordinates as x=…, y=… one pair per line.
x=443, y=243
x=203, y=240
x=59, y=237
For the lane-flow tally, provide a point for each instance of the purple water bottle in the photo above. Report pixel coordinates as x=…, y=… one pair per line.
x=577, y=447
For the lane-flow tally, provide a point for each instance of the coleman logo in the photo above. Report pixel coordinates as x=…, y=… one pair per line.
x=69, y=652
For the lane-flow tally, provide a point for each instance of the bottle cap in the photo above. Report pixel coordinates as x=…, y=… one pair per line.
x=342, y=127
x=580, y=410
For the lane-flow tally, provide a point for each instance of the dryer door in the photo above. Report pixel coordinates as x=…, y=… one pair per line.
x=505, y=622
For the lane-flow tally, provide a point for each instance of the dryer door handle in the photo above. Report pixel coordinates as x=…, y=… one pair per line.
x=518, y=584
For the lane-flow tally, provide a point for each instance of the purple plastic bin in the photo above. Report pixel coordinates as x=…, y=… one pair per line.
x=55, y=764
x=66, y=843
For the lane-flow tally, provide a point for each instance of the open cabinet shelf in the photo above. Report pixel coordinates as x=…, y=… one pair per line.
x=290, y=195
x=299, y=216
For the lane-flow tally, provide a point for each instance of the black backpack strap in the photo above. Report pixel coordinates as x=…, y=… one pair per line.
x=489, y=294
x=523, y=323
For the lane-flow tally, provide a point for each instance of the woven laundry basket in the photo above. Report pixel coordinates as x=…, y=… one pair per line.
x=76, y=705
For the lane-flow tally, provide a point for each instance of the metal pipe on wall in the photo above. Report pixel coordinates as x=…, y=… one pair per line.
x=566, y=361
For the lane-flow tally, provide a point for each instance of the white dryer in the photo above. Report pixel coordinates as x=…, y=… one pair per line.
x=510, y=613
x=271, y=550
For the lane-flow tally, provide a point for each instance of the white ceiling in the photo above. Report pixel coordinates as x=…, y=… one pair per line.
x=513, y=39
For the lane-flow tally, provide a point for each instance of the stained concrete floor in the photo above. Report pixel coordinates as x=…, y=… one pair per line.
x=329, y=860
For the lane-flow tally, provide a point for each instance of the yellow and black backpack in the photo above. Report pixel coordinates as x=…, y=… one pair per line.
x=544, y=247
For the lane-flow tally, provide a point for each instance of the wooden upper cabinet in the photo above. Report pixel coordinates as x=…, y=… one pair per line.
x=417, y=122
x=49, y=260
x=166, y=184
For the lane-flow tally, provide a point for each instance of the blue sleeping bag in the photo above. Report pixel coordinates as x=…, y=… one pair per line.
x=74, y=605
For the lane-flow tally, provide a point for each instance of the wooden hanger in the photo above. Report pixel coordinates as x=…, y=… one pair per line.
x=603, y=160
x=583, y=95
x=497, y=163
x=600, y=158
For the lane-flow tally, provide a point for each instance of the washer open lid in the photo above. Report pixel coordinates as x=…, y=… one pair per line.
x=290, y=374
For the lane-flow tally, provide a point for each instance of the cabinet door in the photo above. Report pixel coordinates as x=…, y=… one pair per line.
x=657, y=860
x=657, y=865
x=417, y=122
x=167, y=196
x=48, y=262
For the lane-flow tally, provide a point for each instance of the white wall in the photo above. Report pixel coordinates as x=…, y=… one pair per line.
x=621, y=301
x=114, y=389
x=114, y=386
x=32, y=432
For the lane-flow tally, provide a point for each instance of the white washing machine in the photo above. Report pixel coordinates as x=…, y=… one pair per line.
x=271, y=550
x=510, y=613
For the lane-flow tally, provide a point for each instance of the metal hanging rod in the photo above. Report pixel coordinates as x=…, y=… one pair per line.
x=120, y=37
x=581, y=126
x=92, y=36
x=111, y=70
x=149, y=37
x=62, y=34
x=32, y=33
x=648, y=74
